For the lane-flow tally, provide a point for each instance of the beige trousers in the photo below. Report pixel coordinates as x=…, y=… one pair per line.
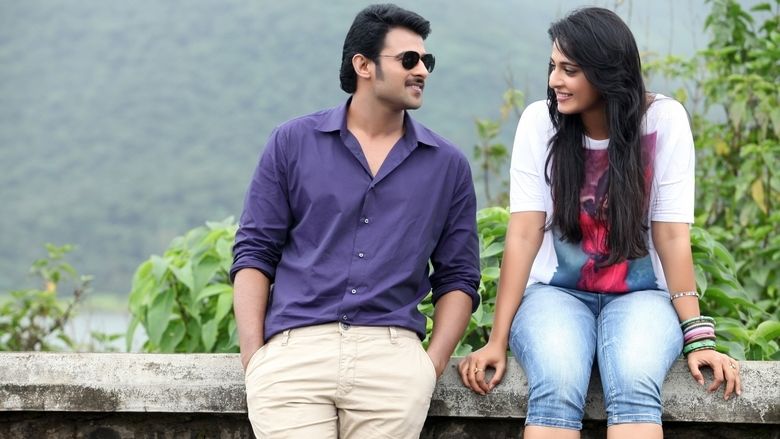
x=339, y=381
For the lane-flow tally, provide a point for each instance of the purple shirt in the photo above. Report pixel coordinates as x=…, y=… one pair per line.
x=341, y=245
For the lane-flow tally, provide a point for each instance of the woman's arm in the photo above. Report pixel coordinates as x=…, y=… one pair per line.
x=523, y=238
x=672, y=241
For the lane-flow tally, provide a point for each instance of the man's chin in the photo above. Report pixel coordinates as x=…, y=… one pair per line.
x=414, y=105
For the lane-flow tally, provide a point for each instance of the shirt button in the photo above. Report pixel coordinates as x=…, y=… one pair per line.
x=360, y=255
x=365, y=220
x=354, y=291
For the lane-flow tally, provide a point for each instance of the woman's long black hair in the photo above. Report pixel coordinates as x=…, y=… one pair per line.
x=604, y=48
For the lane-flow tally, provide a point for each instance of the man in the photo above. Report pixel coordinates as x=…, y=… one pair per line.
x=343, y=214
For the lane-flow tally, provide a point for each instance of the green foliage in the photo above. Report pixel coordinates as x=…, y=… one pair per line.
x=492, y=154
x=184, y=298
x=747, y=328
x=491, y=226
x=738, y=186
x=35, y=319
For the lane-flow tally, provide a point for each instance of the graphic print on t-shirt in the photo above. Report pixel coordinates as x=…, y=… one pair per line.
x=578, y=263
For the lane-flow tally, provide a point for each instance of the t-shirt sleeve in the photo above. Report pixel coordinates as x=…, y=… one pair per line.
x=675, y=165
x=527, y=181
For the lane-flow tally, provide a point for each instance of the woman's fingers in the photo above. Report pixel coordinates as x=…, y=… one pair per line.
x=498, y=376
x=731, y=372
x=472, y=371
x=724, y=370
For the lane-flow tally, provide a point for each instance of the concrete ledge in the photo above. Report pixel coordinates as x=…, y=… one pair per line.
x=213, y=383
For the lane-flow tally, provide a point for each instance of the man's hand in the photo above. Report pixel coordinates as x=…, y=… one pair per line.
x=246, y=355
x=439, y=363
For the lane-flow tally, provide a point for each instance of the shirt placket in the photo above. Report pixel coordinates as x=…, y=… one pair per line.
x=362, y=253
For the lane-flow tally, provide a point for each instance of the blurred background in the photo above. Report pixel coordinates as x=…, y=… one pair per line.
x=126, y=123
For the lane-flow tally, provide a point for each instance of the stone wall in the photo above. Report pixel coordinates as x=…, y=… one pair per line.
x=56, y=395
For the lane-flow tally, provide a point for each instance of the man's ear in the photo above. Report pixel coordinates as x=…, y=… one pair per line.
x=364, y=67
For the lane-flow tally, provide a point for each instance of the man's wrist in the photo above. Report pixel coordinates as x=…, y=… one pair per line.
x=439, y=360
x=247, y=352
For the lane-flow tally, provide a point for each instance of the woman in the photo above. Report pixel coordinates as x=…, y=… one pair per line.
x=598, y=245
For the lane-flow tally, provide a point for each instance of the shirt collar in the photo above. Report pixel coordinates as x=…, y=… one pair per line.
x=335, y=119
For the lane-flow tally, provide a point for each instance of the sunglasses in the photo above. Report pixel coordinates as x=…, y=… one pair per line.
x=410, y=58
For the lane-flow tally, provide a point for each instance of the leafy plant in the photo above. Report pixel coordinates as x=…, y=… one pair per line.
x=746, y=329
x=492, y=155
x=184, y=298
x=491, y=226
x=35, y=319
x=738, y=187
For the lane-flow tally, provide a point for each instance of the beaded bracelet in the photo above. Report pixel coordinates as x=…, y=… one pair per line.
x=684, y=294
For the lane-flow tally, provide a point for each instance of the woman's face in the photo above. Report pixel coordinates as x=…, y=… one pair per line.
x=574, y=93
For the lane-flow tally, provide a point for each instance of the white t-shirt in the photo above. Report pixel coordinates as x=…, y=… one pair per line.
x=668, y=148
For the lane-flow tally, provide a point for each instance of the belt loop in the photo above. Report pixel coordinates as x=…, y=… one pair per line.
x=285, y=337
x=393, y=335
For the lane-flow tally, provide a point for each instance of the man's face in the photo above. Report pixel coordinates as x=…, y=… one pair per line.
x=393, y=84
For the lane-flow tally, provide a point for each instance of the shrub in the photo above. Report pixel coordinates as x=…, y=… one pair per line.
x=184, y=299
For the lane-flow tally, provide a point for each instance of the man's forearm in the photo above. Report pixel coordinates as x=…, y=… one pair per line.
x=450, y=318
x=250, y=297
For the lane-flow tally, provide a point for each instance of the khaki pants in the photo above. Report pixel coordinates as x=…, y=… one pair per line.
x=340, y=381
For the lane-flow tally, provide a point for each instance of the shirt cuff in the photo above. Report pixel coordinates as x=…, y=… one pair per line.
x=268, y=270
x=448, y=288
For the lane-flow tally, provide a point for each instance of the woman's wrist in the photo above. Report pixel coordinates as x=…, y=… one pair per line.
x=698, y=334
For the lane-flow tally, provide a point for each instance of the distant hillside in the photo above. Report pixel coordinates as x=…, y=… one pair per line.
x=126, y=123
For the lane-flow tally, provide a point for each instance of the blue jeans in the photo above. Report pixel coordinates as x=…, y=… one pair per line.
x=557, y=333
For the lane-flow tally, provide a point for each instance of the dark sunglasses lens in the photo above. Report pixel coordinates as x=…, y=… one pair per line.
x=410, y=59
x=429, y=61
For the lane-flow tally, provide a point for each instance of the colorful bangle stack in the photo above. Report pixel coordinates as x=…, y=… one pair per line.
x=698, y=334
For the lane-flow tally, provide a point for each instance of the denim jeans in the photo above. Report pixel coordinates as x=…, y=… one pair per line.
x=557, y=333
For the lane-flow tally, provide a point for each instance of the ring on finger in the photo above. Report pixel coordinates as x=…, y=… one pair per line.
x=477, y=370
x=733, y=366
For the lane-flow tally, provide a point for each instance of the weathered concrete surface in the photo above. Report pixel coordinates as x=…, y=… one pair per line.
x=79, y=425
x=192, y=383
x=684, y=400
x=472, y=428
x=213, y=383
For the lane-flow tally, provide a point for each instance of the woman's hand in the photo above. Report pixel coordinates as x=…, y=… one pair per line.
x=724, y=368
x=472, y=368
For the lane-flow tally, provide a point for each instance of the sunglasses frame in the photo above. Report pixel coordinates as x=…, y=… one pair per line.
x=410, y=58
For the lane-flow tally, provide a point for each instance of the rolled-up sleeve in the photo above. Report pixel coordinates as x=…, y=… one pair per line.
x=455, y=259
x=265, y=220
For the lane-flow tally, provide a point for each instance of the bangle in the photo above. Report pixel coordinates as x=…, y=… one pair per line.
x=696, y=345
x=702, y=348
x=684, y=294
x=697, y=319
